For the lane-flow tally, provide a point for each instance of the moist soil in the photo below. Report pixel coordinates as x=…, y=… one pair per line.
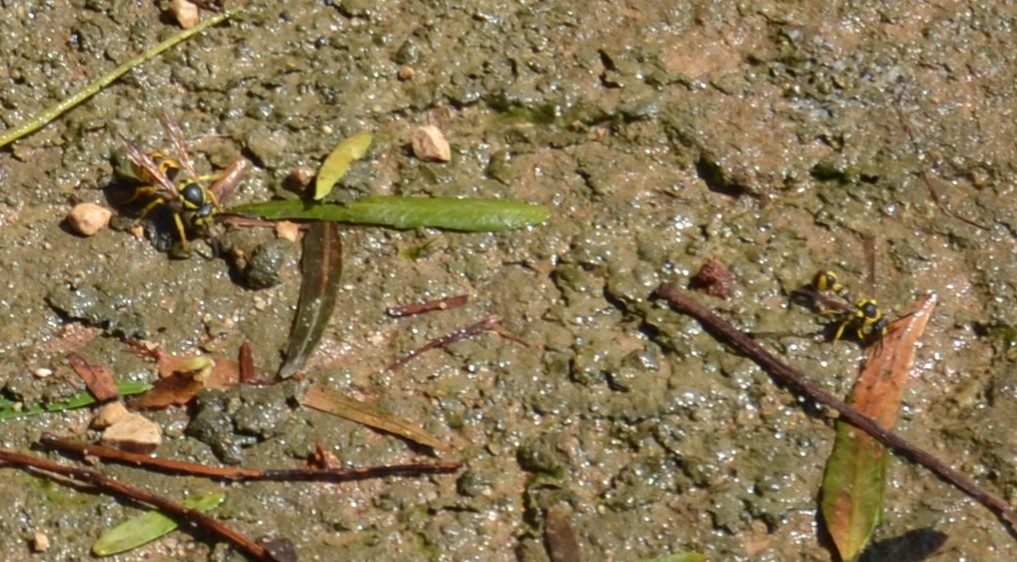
x=771, y=137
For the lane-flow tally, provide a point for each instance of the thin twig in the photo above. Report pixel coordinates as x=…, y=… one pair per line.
x=44, y=118
x=683, y=302
x=927, y=177
x=427, y=306
x=51, y=441
x=119, y=489
x=485, y=324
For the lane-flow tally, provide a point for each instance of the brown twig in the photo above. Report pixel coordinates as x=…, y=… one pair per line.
x=51, y=441
x=683, y=302
x=119, y=489
x=927, y=177
x=427, y=306
x=462, y=333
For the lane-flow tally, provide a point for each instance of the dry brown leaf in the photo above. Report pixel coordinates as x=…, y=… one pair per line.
x=332, y=402
x=881, y=383
x=97, y=378
x=181, y=378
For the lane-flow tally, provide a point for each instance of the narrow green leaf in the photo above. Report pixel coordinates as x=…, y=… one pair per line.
x=320, y=268
x=470, y=215
x=338, y=163
x=148, y=527
x=10, y=409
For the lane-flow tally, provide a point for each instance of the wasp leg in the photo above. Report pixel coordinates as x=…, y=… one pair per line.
x=840, y=330
x=184, y=244
x=145, y=191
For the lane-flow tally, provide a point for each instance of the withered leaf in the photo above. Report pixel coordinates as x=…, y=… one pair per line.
x=320, y=267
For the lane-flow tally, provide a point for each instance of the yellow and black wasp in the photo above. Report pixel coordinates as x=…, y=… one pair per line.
x=193, y=207
x=861, y=318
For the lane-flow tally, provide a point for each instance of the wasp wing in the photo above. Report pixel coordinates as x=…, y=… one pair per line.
x=160, y=182
x=177, y=136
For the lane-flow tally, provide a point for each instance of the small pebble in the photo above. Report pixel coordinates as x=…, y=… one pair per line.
x=40, y=542
x=185, y=13
x=405, y=73
x=43, y=372
x=133, y=432
x=287, y=230
x=299, y=178
x=429, y=144
x=88, y=218
x=108, y=415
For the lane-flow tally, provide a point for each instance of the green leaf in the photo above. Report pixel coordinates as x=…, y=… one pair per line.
x=320, y=268
x=852, y=492
x=470, y=215
x=10, y=409
x=148, y=527
x=338, y=163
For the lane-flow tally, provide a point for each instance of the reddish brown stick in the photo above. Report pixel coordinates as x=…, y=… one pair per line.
x=427, y=306
x=460, y=334
x=113, y=487
x=51, y=441
x=683, y=302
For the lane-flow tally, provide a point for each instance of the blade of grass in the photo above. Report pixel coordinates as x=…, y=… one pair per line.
x=338, y=162
x=332, y=402
x=47, y=116
x=10, y=409
x=469, y=215
x=855, y=476
x=148, y=527
x=320, y=267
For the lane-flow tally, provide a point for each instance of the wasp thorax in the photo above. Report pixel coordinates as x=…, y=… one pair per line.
x=193, y=195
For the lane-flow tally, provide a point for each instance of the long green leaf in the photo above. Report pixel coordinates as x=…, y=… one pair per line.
x=148, y=527
x=320, y=268
x=338, y=163
x=10, y=409
x=470, y=215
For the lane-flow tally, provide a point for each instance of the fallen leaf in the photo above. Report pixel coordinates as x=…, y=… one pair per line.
x=97, y=378
x=181, y=378
x=148, y=527
x=320, y=268
x=853, y=484
x=174, y=390
x=467, y=215
x=338, y=162
x=332, y=402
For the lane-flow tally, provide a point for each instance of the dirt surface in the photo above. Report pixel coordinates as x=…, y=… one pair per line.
x=767, y=136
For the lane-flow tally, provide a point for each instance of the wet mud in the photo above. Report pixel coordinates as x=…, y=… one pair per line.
x=771, y=137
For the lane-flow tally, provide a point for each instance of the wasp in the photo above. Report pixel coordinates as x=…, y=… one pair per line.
x=176, y=185
x=862, y=318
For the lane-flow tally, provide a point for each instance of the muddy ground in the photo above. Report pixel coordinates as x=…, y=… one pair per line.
x=765, y=135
